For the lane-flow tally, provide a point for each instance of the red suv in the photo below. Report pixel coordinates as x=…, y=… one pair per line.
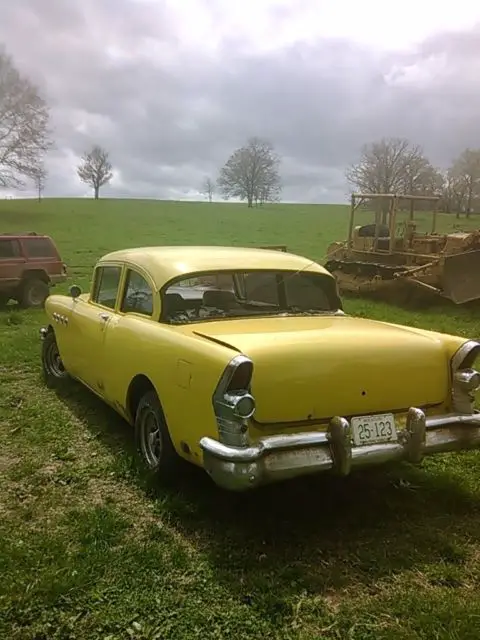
x=29, y=265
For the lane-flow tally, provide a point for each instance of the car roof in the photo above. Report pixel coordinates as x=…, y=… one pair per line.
x=166, y=262
x=11, y=236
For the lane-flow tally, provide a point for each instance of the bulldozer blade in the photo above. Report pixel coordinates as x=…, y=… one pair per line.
x=461, y=277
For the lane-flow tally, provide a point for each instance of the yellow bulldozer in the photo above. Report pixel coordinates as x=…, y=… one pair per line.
x=390, y=257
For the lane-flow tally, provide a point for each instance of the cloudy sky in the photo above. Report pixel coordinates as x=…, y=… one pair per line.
x=172, y=87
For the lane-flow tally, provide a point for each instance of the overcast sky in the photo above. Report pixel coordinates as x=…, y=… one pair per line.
x=171, y=87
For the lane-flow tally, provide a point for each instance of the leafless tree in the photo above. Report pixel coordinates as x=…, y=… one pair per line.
x=453, y=192
x=394, y=165
x=24, y=125
x=40, y=178
x=95, y=169
x=208, y=188
x=465, y=171
x=268, y=192
x=252, y=173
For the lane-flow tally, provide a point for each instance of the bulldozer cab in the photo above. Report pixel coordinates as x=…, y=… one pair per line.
x=388, y=234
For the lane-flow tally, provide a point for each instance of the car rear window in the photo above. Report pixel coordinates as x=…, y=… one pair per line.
x=39, y=248
x=247, y=294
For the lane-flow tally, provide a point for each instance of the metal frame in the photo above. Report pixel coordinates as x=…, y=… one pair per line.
x=357, y=199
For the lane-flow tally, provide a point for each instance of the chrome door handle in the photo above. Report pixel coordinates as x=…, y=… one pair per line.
x=104, y=316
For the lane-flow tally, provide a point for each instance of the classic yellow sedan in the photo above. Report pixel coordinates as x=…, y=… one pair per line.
x=242, y=361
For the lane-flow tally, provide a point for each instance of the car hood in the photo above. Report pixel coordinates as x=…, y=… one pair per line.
x=312, y=368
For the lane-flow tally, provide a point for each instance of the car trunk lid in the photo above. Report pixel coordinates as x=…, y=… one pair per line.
x=312, y=368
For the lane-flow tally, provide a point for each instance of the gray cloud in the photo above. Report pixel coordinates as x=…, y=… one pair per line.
x=115, y=74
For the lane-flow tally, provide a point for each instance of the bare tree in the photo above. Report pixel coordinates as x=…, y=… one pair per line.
x=95, y=169
x=393, y=165
x=251, y=173
x=40, y=178
x=270, y=191
x=208, y=188
x=466, y=171
x=24, y=131
x=453, y=192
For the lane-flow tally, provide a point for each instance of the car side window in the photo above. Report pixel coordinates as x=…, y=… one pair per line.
x=105, y=290
x=9, y=249
x=39, y=248
x=138, y=295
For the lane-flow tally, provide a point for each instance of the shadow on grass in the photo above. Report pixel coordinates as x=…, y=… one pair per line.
x=312, y=535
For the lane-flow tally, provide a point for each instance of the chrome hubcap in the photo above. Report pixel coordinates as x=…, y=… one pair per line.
x=54, y=362
x=151, y=439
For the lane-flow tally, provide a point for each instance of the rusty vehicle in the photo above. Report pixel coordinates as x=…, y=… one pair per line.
x=30, y=266
x=391, y=258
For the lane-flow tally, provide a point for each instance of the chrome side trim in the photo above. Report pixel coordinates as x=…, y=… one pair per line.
x=276, y=458
x=59, y=317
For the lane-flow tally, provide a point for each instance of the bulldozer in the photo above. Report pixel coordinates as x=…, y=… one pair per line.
x=391, y=259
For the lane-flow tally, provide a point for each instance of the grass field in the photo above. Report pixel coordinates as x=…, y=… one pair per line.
x=90, y=549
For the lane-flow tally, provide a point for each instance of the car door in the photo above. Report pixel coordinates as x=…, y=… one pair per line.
x=92, y=319
x=138, y=299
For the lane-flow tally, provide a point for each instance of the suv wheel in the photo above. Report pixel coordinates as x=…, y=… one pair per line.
x=54, y=372
x=34, y=293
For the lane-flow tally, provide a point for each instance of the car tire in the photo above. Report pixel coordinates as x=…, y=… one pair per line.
x=152, y=440
x=54, y=373
x=33, y=293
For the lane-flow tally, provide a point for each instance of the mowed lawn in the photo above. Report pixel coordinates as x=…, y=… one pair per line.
x=90, y=549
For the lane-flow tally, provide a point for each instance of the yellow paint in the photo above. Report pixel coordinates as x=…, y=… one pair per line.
x=306, y=369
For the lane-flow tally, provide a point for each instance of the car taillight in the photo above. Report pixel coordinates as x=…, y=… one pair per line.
x=240, y=381
x=233, y=403
x=465, y=379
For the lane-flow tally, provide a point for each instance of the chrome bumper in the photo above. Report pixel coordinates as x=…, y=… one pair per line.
x=281, y=457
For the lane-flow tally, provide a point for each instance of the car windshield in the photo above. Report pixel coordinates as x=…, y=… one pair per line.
x=247, y=294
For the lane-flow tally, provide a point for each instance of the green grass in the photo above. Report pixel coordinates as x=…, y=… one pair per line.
x=89, y=548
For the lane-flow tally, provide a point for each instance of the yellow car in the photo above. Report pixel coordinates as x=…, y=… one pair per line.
x=242, y=361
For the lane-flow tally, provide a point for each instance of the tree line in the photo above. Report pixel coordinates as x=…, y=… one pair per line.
x=250, y=174
x=395, y=165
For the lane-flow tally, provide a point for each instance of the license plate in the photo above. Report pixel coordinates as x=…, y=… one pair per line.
x=373, y=429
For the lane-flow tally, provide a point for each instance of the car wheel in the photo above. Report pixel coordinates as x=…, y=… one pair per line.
x=153, y=442
x=34, y=293
x=54, y=373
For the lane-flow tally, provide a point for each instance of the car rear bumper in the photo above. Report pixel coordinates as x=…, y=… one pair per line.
x=282, y=457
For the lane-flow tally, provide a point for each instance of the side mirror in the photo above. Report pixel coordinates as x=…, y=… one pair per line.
x=75, y=291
